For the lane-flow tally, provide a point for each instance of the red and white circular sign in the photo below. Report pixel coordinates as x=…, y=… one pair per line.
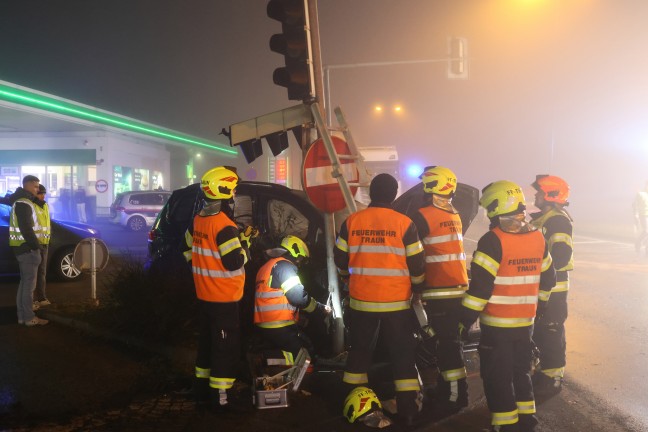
x=319, y=184
x=101, y=186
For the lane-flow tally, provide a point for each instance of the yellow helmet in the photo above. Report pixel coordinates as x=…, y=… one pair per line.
x=295, y=246
x=439, y=180
x=219, y=182
x=359, y=402
x=502, y=198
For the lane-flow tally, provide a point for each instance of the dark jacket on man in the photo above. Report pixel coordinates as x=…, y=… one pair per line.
x=25, y=221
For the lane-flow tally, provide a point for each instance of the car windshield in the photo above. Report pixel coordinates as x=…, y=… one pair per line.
x=286, y=219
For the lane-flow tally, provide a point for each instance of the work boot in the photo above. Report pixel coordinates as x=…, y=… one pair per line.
x=200, y=390
x=225, y=402
x=527, y=422
x=408, y=409
x=450, y=398
x=545, y=386
x=506, y=428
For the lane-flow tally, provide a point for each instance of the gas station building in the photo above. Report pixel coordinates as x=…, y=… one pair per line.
x=71, y=146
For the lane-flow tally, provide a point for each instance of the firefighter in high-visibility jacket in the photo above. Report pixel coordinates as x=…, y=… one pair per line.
x=380, y=251
x=280, y=295
x=511, y=280
x=640, y=211
x=217, y=260
x=446, y=280
x=555, y=223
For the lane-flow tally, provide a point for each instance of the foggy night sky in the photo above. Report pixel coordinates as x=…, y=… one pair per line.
x=556, y=86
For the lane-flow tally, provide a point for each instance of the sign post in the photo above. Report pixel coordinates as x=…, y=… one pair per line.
x=91, y=256
x=324, y=164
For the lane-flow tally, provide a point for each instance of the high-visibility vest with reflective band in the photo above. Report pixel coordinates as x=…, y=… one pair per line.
x=514, y=300
x=445, y=259
x=541, y=221
x=214, y=283
x=43, y=216
x=271, y=306
x=377, y=256
x=40, y=219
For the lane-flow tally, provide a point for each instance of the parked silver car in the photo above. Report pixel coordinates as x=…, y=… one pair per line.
x=137, y=210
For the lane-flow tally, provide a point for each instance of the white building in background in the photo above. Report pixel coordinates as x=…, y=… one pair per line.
x=78, y=150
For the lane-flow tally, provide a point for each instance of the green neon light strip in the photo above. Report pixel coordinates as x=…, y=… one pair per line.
x=48, y=104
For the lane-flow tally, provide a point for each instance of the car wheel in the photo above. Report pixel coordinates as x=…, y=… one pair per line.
x=62, y=265
x=136, y=223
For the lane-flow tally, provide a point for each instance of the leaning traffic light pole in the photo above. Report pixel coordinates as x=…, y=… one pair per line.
x=301, y=75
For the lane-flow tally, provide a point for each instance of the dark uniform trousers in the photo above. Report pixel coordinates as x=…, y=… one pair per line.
x=397, y=330
x=443, y=316
x=219, y=341
x=288, y=338
x=549, y=332
x=505, y=358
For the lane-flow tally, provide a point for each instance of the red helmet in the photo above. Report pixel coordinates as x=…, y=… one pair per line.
x=554, y=188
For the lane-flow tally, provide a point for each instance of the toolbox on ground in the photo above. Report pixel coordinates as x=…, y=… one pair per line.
x=271, y=391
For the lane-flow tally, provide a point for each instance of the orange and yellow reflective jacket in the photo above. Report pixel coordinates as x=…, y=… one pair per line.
x=516, y=279
x=214, y=283
x=445, y=259
x=379, y=242
x=271, y=306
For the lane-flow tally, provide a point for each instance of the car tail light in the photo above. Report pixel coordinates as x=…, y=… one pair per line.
x=152, y=235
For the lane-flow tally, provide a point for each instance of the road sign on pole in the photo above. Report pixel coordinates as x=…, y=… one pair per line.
x=322, y=188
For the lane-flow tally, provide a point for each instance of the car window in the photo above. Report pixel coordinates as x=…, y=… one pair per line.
x=137, y=199
x=286, y=219
x=243, y=210
x=155, y=199
x=182, y=207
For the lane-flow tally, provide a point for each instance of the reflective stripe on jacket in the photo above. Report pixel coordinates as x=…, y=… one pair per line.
x=213, y=281
x=515, y=294
x=445, y=259
x=379, y=277
x=40, y=220
x=556, y=237
x=43, y=216
x=271, y=306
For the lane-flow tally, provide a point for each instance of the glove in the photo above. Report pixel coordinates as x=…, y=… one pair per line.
x=540, y=311
x=463, y=331
x=325, y=309
x=247, y=234
x=428, y=332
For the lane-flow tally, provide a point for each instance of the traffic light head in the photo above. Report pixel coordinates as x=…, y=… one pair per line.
x=294, y=44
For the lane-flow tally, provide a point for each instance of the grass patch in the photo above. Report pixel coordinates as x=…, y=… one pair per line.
x=155, y=305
